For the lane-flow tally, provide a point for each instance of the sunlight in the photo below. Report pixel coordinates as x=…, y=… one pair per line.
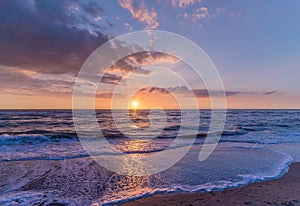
x=134, y=104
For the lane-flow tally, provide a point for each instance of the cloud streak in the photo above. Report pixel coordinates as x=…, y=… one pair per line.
x=17, y=81
x=183, y=90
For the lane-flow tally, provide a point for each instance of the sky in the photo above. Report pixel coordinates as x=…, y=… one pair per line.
x=254, y=45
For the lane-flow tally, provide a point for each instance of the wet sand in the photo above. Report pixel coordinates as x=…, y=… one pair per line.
x=283, y=191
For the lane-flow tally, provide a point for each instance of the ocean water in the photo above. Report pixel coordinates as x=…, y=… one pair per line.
x=256, y=145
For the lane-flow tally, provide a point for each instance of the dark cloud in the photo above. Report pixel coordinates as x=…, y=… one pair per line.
x=271, y=92
x=48, y=37
x=40, y=43
x=153, y=90
x=111, y=78
x=206, y=93
x=183, y=90
x=55, y=10
x=55, y=38
x=201, y=93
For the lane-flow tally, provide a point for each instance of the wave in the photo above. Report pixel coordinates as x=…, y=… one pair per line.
x=7, y=139
x=252, y=129
x=63, y=134
x=282, y=168
x=45, y=158
x=32, y=136
x=172, y=128
x=233, y=132
x=237, y=131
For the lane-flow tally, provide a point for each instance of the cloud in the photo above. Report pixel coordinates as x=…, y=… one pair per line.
x=128, y=26
x=271, y=92
x=111, y=78
x=183, y=90
x=41, y=37
x=154, y=90
x=82, y=14
x=140, y=12
x=204, y=13
x=184, y=3
x=17, y=81
x=224, y=12
x=108, y=95
x=200, y=13
x=136, y=62
x=205, y=93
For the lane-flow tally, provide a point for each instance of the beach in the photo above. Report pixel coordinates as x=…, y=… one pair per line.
x=78, y=182
x=282, y=191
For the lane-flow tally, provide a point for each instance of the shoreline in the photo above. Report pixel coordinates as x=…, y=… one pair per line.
x=37, y=182
x=282, y=191
x=81, y=181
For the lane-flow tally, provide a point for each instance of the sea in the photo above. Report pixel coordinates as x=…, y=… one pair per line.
x=37, y=147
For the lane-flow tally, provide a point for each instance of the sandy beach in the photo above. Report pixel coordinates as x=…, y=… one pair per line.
x=283, y=191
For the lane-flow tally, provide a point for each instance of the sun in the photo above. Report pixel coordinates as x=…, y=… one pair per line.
x=134, y=104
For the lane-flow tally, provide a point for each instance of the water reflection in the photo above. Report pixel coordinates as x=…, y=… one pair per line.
x=128, y=187
x=139, y=118
x=131, y=185
x=145, y=132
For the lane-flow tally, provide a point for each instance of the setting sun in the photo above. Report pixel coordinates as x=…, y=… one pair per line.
x=134, y=104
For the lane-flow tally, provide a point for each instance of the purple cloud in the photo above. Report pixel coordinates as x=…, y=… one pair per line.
x=35, y=42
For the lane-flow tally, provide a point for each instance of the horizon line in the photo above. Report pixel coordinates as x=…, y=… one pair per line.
x=5, y=109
